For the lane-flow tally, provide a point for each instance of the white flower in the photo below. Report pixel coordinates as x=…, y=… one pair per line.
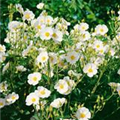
x=64, y=86
x=113, y=84
x=46, y=33
x=97, y=45
x=21, y=68
x=53, y=58
x=3, y=86
x=11, y=98
x=90, y=69
x=2, y=57
x=112, y=51
x=42, y=57
x=40, y=5
x=41, y=19
x=72, y=57
x=2, y=48
x=83, y=114
x=38, y=25
x=57, y=103
x=48, y=20
x=34, y=78
x=85, y=36
x=83, y=27
x=2, y=103
x=118, y=72
x=28, y=15
x=42, y=92
x=61, y=86
x=57, y=35
x=19, y=8
x=118, y=90
x=101, y=29
x=119, y=12
x=32, y=98
x=14, y=25
x=5, y=67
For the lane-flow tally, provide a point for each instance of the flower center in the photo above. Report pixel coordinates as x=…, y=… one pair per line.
x=33, y=99
x=83, y=28
x=34, y=78
x=38, y=27
x=61, y=86
x=101, y=30
x=43, y=58
x=98, y=46
x=90, y=70
x=72, y=57
x=1, y=104
x=13, y=97
x=47, y=34
x=27, y=16
x=42, y=92
x=82, y=115
x=54, y=35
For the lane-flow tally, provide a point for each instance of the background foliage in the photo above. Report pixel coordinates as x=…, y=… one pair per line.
x=91, y=11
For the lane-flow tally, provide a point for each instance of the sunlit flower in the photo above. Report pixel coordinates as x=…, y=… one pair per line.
x=57, y=103
x=46, y=33
x=53, y=58
x=48, y=20
x=19, y=8
x=43, y=92
x=42, y=57
x=2, y=103
x=61, y=86
x=14, y=25
x=5, y=68
x=85, y=36
x=21, y=68
x=90, y=69
x=40, y=5
x=28, y=15
x=72, y=57
x=2, y=48
x=83, y=27
x=34, y=78
x=101, y=29
x=57, y=35
x=83, y=114
x=97, y=45
x=32, y=98
x=11, y=98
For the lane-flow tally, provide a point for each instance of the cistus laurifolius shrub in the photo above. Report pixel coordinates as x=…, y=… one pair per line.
x=51, y=73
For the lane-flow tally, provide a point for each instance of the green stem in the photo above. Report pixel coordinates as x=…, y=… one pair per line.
x=97, y=84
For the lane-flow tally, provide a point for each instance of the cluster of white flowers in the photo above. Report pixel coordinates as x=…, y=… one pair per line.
x=49, y=58
x=9, y=99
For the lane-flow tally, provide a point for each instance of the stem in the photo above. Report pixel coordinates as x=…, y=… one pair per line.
x=98, y=81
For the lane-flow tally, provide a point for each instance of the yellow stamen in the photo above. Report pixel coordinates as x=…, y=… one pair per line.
x=82, y=115
x=47, y=34
x=72, y=57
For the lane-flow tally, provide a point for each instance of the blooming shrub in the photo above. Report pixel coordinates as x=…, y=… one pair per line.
x=49, y=73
